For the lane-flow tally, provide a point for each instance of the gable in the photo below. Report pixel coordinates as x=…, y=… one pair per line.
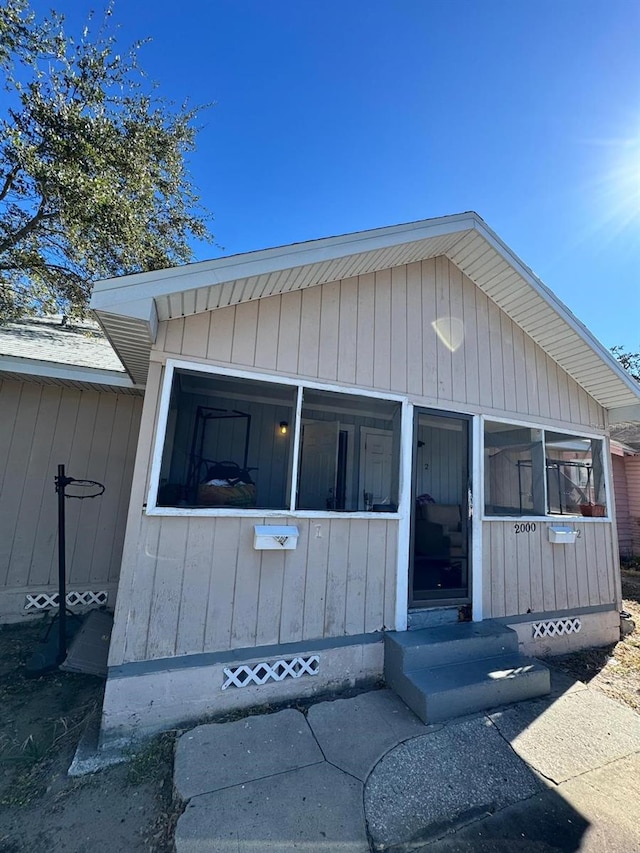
x=130, y=308
x=422, y=328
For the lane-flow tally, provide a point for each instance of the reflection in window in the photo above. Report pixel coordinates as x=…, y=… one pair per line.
x=228, y=445
x=575, y=476
x=516, y=460
x=349, y=453
x=513, y=469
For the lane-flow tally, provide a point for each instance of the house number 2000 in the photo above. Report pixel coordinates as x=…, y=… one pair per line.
x=525, y=527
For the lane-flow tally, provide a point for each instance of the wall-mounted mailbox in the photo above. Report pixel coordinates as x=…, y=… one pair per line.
x=561, y=535
x=270, y=537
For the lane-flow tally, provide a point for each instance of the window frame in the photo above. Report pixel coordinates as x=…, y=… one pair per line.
x=557, y=428
x=151, y=507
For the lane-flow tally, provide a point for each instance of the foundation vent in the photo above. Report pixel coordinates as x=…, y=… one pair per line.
x=47, y=600
x=261, y=673
x=555, y=628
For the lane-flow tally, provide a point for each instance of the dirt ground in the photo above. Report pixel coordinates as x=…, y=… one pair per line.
x=130, y=807
x=613, y=669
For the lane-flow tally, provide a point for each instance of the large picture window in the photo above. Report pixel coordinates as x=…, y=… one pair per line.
x=530, y=471
x=224, y=443
x=229, y=444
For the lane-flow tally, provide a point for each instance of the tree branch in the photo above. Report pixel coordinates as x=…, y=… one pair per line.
x=8, y=181
x=26, y=229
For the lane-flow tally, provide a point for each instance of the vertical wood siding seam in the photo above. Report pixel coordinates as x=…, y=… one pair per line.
x=139, y=636
x=107, y=467
x=429, y=340
x=205, y=621
x=36, y=521
x=181, y=593
x=17, y=388
x=115, y=554
x=366, y=576
x=40, y=390
x=84, y=508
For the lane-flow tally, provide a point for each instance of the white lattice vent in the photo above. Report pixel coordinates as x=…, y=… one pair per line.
x=47, y=600
x=556, y=628
x=260, y=673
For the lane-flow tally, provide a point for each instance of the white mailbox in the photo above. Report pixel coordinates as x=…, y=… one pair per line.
x=562, y=535
x=270, y=537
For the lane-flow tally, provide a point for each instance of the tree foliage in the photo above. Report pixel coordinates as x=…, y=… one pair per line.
x=629, y=360
x=93, y=180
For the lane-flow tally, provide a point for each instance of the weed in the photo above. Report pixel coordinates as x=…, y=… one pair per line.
x=35, y=753
x=149, y=764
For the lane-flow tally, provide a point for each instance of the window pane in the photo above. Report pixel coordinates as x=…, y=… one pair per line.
x=228, y=443
x=513, y=466
x=349, y=453
x=575, y=475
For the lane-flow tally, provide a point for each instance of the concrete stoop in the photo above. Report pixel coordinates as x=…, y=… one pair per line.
x=453, y=670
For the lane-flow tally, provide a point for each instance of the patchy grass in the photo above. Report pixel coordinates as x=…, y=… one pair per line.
x=615, y=669
x=147, y=764
x=129, y=807
x=41, y=716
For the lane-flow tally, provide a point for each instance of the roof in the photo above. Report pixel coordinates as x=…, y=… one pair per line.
x=50, y=351
x=129, y=307
x=627, y=434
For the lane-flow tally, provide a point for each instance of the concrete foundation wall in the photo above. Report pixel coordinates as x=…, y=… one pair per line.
x=597, y=629
x=136, y=706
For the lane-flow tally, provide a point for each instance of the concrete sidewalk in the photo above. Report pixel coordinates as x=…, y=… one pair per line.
x=362, y=774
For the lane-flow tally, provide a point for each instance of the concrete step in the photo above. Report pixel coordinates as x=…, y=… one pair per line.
x=443, y=692
x=463, y=641
x=431, y=617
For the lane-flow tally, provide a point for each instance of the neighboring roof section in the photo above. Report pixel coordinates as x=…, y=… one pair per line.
x=129, y=307
x=44, y=349
x=627, y=434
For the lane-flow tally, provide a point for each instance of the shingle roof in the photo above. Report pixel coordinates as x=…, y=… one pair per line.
x=81, y=344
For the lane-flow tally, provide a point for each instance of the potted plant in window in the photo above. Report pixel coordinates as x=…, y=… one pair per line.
x=593, y=510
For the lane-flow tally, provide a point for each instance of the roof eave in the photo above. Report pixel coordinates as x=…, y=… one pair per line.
x=127, y=310
x=65, y=372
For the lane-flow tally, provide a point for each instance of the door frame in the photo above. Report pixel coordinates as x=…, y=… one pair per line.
x=364, y=432
x=467, y=507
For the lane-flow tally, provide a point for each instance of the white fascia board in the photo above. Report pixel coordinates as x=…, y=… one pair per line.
x=139, y=309
x=68, y=372
x=133, y=295
x=110, y=292
x=559, y=307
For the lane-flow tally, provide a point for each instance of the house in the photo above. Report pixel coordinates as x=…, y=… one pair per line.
x=342, y=439
x=65, y=398
x=625, y=459
x=333, y=441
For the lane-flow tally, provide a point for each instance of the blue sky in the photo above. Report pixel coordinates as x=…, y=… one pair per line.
x=332, y=117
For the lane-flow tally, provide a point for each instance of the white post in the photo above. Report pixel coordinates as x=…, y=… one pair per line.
x=404, y=524
x=477, y=496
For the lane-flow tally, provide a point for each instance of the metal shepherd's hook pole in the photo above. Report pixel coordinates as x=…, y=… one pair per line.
x=62, y=482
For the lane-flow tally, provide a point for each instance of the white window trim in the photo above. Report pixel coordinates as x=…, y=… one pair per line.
x=551, y=517
x=172, y=365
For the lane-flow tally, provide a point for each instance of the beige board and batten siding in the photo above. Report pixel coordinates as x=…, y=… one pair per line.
x=377, y=331
x=207, y=589
x=374, y=331
x=525, y=573
x=94, y=435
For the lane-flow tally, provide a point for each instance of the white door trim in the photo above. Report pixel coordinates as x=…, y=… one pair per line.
x=404, y=525
x=477, y=511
